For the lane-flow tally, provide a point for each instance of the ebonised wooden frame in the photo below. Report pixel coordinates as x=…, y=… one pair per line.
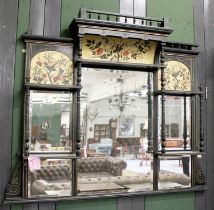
x=41, y=87
x=184, y=53
x=151, y=29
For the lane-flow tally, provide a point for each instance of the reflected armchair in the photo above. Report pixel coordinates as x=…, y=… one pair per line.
x=105, y=146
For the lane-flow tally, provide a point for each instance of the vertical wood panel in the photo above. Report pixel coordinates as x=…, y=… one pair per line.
x=96, y=204
x=138, y=203
x=31, y=206
x=8, y=22
x=201, y=78
x=140, y=8
x=47, y=206
x=52, y=17
x=16, y=207
x=124, y=203
x=200, y=201
x=126, y=7
x=209, y=62
x=173, y=201
x=135, y=203
x=23, y=21
x=37, y=16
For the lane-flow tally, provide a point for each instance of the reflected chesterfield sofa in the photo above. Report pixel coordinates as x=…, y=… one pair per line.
x=56, y=177
x=94, y=171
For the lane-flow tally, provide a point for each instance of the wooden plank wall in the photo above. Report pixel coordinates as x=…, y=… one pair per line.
x=45, y=19
x=8, y=22
x=52, y=18
x=139, y=8
x=200, y=79
x=131, y=7
x=209, y=62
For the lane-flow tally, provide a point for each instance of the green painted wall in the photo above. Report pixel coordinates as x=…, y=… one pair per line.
x=179, y=14
x=107, y=204
x=17, y=135
x=70, y=10
x=174, y=201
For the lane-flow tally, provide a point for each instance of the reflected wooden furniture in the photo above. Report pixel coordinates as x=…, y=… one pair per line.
x=101, y=131
x=131, y=141
x=177, y=143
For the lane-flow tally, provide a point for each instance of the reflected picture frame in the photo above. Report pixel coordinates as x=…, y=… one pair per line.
x=126, y=126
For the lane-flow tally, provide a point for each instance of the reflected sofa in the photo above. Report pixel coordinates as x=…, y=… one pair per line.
x=56, y=177
x=105, y=146
x=94, y=171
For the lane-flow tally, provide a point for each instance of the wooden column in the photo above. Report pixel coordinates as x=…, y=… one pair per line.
x=163, y=135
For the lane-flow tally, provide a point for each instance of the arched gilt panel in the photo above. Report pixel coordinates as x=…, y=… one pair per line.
x=51, y=67
x=177, y=75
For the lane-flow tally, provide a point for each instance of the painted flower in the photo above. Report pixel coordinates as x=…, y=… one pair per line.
x=99, y=51
x=55, y=79
x=39, y=63
x=44, y=75
x=126, y=53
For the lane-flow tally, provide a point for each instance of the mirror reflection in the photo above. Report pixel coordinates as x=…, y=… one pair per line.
x=177, y=115
x=178, y=171
x=49, y=177
x=114, y=122
x=49, y=121
x=114, y=125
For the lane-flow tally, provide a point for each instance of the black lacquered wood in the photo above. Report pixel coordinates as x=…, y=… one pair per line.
x=185, y=124
x=78, y=95
x=53, y=87
x=182, y=48
x=108, y=16
x=29, y=37
x=150, y=114
x=163, y=135
x=26, y=123
x=120, y=65
x=201, y=122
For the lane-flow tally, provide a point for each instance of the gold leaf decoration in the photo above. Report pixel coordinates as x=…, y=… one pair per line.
x=52, y=68
x=177, y=75
x=118, y=49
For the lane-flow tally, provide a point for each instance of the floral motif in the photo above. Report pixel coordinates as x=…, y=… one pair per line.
x=51, y=67
x=118, y=49
x=177, y=75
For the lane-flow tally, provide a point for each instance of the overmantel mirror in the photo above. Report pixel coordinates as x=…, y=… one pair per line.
x=110, y=111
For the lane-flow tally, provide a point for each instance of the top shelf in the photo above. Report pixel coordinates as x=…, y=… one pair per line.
x=122, y=18
x=129, y=26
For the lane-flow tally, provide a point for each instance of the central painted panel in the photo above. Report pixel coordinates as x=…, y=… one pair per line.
x=118, y=49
